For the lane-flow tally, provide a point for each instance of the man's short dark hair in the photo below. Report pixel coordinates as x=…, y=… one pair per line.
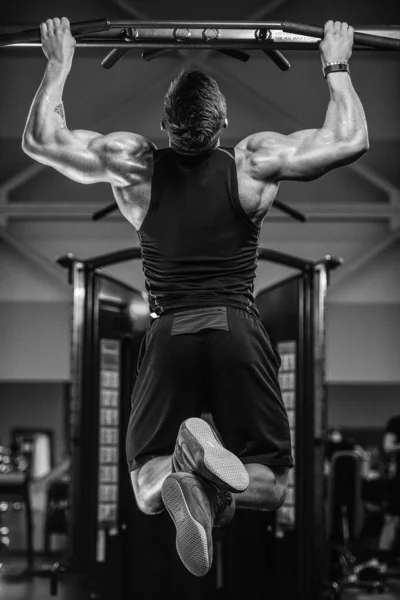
x=194, y=111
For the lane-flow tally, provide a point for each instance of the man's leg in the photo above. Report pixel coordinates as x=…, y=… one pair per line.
x=200, y=485
x=168, y=390
x=147, y=483
x=247, y=408
x=266, y=490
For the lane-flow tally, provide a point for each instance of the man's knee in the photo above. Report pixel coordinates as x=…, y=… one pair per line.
x=280, y=487
x=146, y=503
x=279, y=496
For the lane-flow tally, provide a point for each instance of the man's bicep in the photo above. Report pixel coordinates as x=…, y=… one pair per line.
x=309, y=154
x=70, y=153
x=89, y=157
x=302, y=156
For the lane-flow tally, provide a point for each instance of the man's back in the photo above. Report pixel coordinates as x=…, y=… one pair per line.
x=138, y=194
x=199, y=247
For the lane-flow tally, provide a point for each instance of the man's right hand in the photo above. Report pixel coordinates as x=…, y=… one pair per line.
x=337, y=43
x=57, y=41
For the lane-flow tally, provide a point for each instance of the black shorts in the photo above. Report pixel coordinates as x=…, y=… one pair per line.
x=232, y=374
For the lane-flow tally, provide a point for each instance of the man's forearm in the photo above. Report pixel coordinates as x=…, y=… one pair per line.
x=46, y=117
x=345, y=118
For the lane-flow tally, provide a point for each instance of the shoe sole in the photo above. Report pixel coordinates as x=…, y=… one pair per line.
x=221, y=463
x=191, y=537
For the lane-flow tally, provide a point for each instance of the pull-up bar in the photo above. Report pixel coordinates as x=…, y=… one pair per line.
x=228, y=37
x=385, y=37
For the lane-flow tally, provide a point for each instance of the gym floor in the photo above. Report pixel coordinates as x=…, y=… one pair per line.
x=38, y=587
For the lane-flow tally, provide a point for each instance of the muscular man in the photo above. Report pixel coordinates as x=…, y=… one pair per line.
x=198, y=209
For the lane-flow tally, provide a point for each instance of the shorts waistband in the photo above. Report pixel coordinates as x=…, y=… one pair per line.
x=252, y=310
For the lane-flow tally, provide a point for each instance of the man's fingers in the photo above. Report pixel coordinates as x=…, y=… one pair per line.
x=43, y=29
x=344, y=27
x=50, y=26
x=337, y=26
x=351, y=31
x=65, y=23
x=328, y=26
x=57, y=22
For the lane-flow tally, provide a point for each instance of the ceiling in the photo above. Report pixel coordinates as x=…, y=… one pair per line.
x=259, y=97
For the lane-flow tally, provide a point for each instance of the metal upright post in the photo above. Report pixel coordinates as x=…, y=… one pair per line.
x=75, y=405
x=321, y=551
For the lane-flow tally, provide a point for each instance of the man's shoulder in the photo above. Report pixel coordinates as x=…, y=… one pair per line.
x=128, y=141
x=258, y=155
x=261, y=141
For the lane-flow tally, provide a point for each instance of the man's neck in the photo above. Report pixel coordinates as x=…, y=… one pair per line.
x=194, y=153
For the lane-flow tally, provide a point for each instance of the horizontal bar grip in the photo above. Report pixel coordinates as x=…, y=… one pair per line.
x=300, y=45
x=278, y=58
x=364, y=39
x=33, y=35
x=113, y=57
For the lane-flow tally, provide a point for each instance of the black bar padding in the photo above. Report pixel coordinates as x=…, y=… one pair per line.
x=33, y=35
x=363, y=39
x=279, y=59
x=113, y=57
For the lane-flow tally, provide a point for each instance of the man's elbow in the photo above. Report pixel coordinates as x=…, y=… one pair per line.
x=359, y=144
x=36, y=150
x=353, y=149
x=29, y=145
x=363, y=144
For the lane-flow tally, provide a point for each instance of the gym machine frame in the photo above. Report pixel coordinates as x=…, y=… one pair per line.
x=311, y=419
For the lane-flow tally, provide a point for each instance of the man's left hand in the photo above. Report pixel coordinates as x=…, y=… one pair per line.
x=57, y=41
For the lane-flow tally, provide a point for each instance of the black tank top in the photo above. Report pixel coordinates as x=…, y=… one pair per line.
x=199, y=247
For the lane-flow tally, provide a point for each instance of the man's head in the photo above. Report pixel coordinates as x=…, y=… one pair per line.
x=194, y=112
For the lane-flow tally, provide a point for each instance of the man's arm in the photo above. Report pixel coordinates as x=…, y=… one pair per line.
x=84, y=156
x=343, y=138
